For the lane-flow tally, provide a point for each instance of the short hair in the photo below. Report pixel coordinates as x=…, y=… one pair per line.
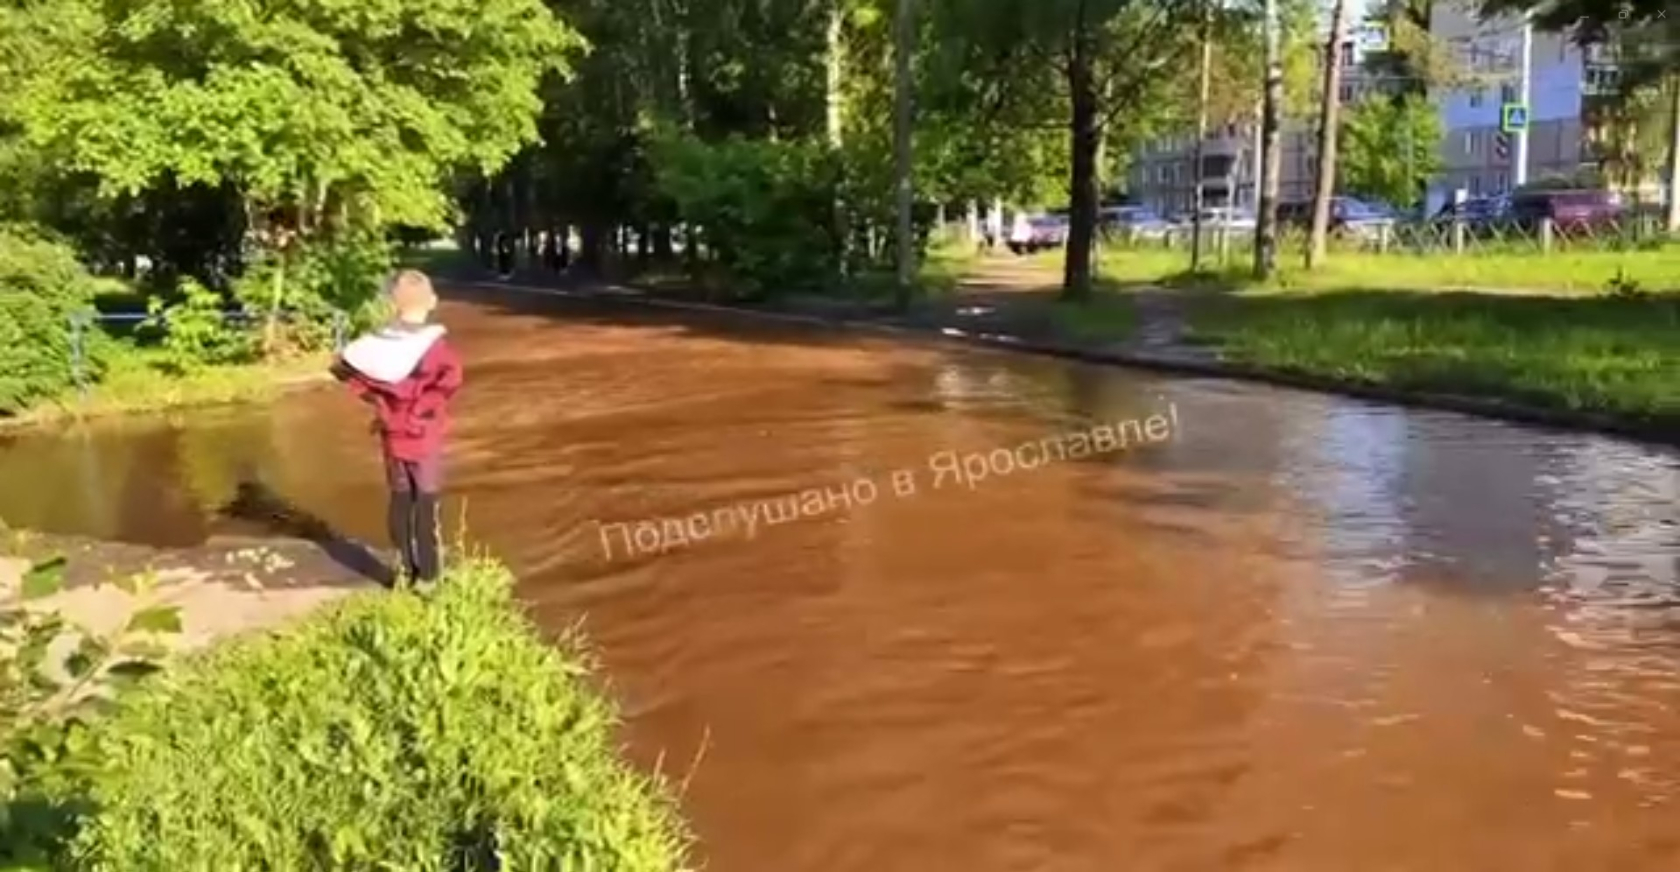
x=410, y=290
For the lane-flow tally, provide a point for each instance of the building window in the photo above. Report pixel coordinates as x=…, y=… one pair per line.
x=1601, y=79
x=1346, y=58
x=1469, y=143
x=1508, y=93
x=1475, y=186
x=1476, y=98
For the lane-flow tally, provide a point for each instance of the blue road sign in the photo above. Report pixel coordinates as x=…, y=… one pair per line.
x=1513, y=117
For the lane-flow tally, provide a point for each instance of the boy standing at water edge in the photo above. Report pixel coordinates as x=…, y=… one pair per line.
x=408, y=372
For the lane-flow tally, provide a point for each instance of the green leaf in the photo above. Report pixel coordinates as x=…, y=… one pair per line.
x=87, y=657
x=44, y=579
x=157, y=619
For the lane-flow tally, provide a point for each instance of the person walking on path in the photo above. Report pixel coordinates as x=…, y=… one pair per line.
x=408, y=372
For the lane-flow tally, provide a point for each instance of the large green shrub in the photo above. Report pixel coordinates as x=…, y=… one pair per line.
x=390, y=732
x=765, y=209
x=41, y=285
x=318, y=279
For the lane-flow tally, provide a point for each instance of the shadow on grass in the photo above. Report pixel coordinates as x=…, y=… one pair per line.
x=1612, y=354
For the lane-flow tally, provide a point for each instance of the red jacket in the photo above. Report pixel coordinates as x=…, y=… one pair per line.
x=413, y=413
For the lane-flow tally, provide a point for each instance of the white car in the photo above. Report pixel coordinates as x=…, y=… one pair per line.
x=1223, y=217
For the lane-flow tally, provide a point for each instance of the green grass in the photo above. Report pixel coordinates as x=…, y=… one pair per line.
x=136, y=381
x=1615, y=355
x=1567, y=272
x=940, y=270
x=433, y=733
x=1108, y=316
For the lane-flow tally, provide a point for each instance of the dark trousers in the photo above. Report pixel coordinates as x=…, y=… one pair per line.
x=412, y=515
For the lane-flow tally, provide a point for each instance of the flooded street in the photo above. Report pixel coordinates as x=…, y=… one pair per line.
x=1303, y=634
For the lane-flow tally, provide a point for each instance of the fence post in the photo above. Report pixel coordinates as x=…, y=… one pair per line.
x=1546, y=238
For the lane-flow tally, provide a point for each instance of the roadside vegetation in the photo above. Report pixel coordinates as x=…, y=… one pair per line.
x=1582, y=270
x=152, y=254
x=390, y=730
x=1608, y=348
x=1612, y=354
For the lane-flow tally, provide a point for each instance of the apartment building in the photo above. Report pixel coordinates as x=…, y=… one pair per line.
x=1476, y=156
x=1162, y=173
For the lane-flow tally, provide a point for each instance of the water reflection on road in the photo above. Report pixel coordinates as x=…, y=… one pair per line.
x=1308, y=634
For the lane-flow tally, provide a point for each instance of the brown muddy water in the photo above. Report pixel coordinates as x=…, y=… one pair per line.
x=1305, y=633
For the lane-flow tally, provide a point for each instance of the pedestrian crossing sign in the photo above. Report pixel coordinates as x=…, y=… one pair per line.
x=1513, y=117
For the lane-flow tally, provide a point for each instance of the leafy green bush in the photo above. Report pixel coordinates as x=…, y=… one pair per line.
x=389, y=732
x=317, y=280
x=48, y=690
x=764, y=208
x=41, y=285
x=194, y=332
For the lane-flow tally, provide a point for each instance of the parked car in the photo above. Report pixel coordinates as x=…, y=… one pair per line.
x=1134, y=222
x=1569, y=210
x=1227, y=217
x=1349, y=216
x=1481, y=217
x=1038, y=233
x=1476, y=210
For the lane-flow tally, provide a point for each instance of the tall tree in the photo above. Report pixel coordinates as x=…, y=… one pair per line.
x=318, y=110
x=1389, y=149
x=1330, y=107
x=1092, y=62
x=1265, y=230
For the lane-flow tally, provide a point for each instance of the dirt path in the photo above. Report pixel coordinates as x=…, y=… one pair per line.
x=1021, y=292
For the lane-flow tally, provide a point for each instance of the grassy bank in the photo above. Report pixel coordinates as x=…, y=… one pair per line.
x=1580, y=272
x=141, y=380
x=1390, y=321
x=1604, y=354
x=390, y=730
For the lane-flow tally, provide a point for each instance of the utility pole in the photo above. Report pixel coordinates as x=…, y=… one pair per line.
x=1329, y=119
x=1525, y=87
x=1271, y=160
x=1198, y=197
x=904, y=43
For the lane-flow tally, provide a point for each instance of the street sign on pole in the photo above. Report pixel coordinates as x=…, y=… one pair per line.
x=1513, y=117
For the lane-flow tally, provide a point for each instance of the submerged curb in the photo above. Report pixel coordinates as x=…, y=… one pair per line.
x=1661, y=432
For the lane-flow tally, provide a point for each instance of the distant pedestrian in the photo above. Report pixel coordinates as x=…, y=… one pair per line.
x=506, y=252
x=551, y=250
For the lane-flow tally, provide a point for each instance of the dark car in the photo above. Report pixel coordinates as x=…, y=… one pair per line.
x=1349, y=216
x=1476, y=211
x=1568, y=210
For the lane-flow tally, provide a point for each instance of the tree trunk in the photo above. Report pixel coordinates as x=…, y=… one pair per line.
x=836, y=63
x=1198, y=199
x=836, y=68
x=1329, y=112
x=592, y=243
x=1085, y=132
x=904, y=43
x=1271, y=158
x=1671, y=215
